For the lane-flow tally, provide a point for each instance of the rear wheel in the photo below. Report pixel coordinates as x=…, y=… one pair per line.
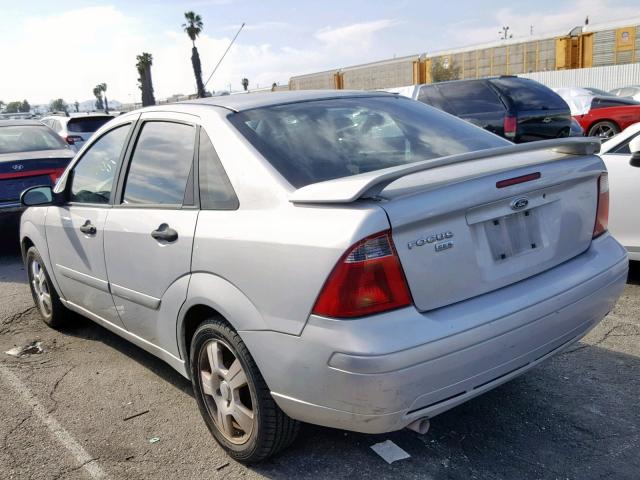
x=44, y=295
x=233, y=397
x=604, y=129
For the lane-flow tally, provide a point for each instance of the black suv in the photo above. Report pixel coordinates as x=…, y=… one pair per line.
x=518, y=109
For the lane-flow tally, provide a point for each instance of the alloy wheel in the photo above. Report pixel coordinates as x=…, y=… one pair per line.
x=603, y=131
x=41, y=288
x=228, y=398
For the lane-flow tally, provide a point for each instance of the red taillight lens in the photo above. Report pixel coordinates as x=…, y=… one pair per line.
x=510, y=126
x=72, y=139
x=602, y=213
x=367, y=279
x=55, y=175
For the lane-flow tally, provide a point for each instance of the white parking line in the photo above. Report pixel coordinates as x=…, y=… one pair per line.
x=65, y=438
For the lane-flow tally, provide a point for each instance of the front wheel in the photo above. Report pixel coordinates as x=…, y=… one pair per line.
x=233, y=398
x=604, y=129
x=46, y=298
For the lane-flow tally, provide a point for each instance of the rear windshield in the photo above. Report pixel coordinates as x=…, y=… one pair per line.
x=28, y=138
x=86, y=125
x=467, y=98
x=530, y=95
x=309, y=142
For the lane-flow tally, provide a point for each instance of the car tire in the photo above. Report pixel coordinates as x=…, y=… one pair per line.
x=47, y=301
x=229, y=389
x=604, y=129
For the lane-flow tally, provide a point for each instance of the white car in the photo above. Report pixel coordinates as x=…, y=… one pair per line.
x=621, y=154
x=632, y=91
x=76, y=130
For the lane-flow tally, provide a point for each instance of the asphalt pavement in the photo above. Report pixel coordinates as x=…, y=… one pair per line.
x=65, y=413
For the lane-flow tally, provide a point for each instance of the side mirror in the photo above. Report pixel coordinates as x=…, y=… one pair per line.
x=634, y=146
x=34, y=196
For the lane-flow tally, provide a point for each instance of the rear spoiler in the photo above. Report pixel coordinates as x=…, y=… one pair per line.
x=370, y=184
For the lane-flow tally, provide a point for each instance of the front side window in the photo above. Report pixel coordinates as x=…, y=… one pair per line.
x=309, y=142
x=93, y=175
x=216, y=192
x=161, y=164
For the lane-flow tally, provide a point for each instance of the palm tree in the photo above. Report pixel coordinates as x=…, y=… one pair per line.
x=103, y=88
x=193, y=27
x=245, y=84
x=145, y=84
x=97, y=92
x=77, y=105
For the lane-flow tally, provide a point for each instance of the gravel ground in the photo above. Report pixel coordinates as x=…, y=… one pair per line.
x=575, y=416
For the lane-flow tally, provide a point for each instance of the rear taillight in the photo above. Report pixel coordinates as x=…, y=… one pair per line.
x=72, y=139
x=602, y=212
x=510, y=126
x=55, y=175
x=367, y=279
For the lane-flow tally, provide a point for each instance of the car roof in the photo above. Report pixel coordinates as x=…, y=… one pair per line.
x=20, y=123
x=247, y=101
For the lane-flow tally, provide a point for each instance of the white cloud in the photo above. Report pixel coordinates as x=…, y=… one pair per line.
x=356, y=36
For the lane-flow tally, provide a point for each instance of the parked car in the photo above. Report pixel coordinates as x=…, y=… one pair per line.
x=621, y=155
x=632, y=92
x=600, y=116
x=356, y=260
x=30, y=154
x=518, y=109
x=78, y=129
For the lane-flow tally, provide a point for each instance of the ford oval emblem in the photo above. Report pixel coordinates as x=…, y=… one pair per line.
x=17, y=166
x=519, y=203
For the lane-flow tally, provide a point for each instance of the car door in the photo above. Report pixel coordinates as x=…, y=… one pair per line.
x=149, y=232
x=75, y=230
x=624, y=196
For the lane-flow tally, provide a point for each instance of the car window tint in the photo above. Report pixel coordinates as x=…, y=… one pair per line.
x=604, y=102
x=161, y=164
x=471, y=97
x=90, y=124
x=216, y=192
x=430, y=95
x=529, y=95
x=319, y=140
x=93, y=174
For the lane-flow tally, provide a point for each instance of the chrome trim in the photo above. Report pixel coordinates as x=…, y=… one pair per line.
x=135, y=297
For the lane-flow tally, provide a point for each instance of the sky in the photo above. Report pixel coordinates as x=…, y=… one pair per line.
x=63, y=49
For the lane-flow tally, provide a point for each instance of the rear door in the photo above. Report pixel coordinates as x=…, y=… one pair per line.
x=624, y=192
x=541, y=113
x=149, y=233
x=475, y=102
x=75, y=231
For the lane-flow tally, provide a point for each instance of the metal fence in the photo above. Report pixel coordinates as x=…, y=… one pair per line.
x=605, y=78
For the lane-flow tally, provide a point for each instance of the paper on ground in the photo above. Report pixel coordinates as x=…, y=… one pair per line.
x=389, y=451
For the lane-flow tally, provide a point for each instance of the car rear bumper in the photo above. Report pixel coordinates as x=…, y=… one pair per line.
x=381, y=373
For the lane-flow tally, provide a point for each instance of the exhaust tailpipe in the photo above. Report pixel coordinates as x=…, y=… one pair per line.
x=420, y=425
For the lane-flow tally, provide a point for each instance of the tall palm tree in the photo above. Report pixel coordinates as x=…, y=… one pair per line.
x=103, y=89
x=97, y=92
x=245, y=84
x=193, y=27
x=145, y=84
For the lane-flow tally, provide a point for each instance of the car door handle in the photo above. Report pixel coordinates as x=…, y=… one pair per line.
x=165, y=232
x=88, y=228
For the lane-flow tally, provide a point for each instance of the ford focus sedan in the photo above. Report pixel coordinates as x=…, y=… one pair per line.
x=355, y=260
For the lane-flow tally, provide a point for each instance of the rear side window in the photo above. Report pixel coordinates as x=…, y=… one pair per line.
x=161, y=164
x=309, y=142
x=430, y=95
x=93, y=174
x=86, y=125
x=471, y=97
x=529, y=95
x=216, y=192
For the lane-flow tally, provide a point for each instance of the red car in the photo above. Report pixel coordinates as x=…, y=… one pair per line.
x=609, y=116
